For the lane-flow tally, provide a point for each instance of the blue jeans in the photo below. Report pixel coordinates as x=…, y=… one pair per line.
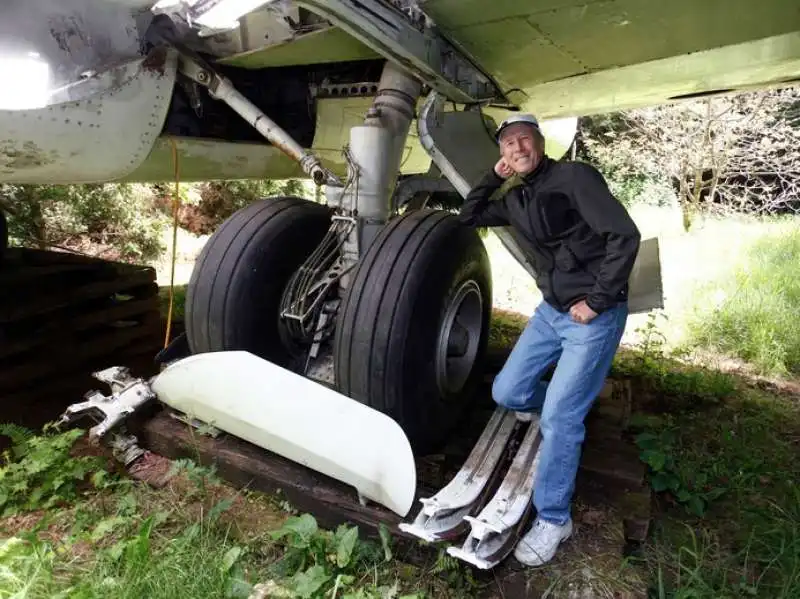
x=584, y=353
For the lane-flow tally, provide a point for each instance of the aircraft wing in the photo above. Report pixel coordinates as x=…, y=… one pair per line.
x=316, y=77
x=564, y=58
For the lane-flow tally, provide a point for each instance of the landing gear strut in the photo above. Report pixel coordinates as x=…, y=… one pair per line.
x=392, y=311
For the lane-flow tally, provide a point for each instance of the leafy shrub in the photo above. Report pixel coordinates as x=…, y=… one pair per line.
x=111, y=221
x=605, y=141
x=220, y=199
x=730, y=153
x=321, y=563
x=39, y=471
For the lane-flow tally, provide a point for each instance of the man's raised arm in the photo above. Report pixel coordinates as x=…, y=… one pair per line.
x=479, y=210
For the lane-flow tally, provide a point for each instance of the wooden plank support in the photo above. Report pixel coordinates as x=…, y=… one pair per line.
x=245, y=465
x=64, y=316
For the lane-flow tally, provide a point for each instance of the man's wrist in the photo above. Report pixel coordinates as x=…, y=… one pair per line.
x=497, y=176
x=596, y=304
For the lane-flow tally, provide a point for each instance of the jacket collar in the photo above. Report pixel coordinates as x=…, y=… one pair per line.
x=543, y=166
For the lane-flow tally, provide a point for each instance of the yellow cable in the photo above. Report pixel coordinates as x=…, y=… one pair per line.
x=176, y=200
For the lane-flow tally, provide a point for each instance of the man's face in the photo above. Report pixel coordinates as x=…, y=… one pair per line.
x=519, y=148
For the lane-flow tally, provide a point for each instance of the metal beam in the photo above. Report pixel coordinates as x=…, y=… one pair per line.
x=417, y=48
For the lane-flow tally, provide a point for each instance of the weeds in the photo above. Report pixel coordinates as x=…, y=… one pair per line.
x=703, y=565
x=691, y=489
x=732, y=470
x=128, y=540
x=753, y=313
x=321, y=563
x=39, y=472
x=199, y=561
x=505, y=328
x=662, y=373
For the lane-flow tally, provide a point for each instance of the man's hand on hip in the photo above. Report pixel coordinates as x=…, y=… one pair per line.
x=582, y=313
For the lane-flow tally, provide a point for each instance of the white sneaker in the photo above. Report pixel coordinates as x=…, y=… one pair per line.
x=539, y=545
x=524, y=416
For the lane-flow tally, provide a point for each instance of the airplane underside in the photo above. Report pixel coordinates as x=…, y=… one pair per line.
x=370, y=310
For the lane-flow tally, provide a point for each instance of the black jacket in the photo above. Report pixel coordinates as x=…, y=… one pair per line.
x=579, y=237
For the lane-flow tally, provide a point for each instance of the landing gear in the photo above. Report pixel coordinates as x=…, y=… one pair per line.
x=392, y=311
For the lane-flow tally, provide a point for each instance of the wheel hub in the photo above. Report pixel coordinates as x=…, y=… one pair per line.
x=459, y=337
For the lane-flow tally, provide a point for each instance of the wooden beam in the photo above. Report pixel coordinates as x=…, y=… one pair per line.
x=245, y=465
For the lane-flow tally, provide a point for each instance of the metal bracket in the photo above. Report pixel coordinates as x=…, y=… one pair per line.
x=419, y=48
x=307, y=295
x=443, y=516
x=125, y=448
x=362, y=89
x=127, y=395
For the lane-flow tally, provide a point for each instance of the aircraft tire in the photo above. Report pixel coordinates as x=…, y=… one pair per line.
x=233, y=297
x=421, y=271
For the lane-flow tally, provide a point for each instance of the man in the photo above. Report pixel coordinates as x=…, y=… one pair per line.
x=583, y=245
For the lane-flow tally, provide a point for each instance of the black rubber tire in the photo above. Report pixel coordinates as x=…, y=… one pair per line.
x=233, y=297
x=388, y=324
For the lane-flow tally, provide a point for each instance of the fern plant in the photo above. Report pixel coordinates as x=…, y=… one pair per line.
x=38, y=471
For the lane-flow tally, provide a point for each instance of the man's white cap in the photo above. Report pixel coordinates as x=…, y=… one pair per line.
x=517, y=118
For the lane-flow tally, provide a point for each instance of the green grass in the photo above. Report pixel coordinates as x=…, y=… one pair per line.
x=741, y=455
x=664, y=375
x=722, y=459
x=506, y=327
x=179, y=301
x=754, y=313
x=134, y=559
x=103, y=535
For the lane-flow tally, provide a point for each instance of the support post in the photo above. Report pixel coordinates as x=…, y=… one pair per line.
x=376, y=149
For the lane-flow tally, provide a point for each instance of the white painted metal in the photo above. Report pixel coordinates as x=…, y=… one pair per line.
x=376, y=149
x=71, y=36
x=296, y=418
x=446, y=510
x=371, y=149
x=493, y=530
x=103, y=136
x=128, y=394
